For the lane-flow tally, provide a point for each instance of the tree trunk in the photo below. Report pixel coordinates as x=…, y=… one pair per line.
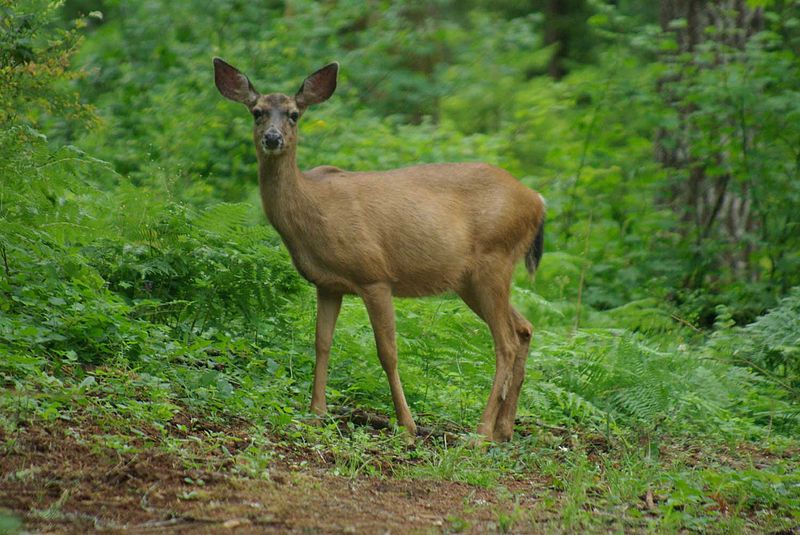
x=565, y=21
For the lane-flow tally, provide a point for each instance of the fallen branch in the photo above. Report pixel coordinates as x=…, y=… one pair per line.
x=378, y=421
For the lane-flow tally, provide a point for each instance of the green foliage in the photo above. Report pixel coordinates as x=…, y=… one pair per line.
x=33, y=59
x=470, y=95
x=199, y=269
x=769, y=346
x=128, y=279
x=610, y=377
x=735, y=111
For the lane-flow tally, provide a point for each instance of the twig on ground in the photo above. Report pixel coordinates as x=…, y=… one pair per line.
x=377, y=421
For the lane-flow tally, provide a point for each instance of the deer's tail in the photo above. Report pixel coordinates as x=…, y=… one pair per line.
x=535, y=251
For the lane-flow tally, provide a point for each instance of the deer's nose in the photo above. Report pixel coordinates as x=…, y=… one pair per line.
x=272, y=140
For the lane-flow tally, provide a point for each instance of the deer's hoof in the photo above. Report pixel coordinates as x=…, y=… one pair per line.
x=503, y=435
x=318, y=416
x=503, y=431
x=410, y=432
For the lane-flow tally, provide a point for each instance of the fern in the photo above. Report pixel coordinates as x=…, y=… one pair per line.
x=613, y=373
x=226, y=220
x=775, y=336
x=572, y=404
x=643, y=315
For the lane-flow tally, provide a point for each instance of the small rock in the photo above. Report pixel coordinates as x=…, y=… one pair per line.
x=234, y=523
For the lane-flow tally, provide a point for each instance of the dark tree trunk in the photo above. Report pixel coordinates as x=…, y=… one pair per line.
x=565, y=23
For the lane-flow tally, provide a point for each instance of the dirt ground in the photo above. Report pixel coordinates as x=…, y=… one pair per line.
x=55, y=481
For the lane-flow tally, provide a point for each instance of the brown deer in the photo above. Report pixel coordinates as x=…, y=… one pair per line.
x=415, y=231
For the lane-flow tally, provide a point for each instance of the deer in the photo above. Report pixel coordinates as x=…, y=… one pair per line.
x=415, y=231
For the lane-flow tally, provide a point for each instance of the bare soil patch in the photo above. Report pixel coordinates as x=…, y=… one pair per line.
x=57, y=481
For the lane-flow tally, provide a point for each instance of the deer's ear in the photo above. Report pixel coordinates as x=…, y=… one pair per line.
x=233, y=84
x=318, y=87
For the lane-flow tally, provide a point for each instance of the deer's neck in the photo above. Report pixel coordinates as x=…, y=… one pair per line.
x=285, y=193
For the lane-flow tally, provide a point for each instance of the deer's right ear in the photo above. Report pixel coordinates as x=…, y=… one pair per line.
x=233, y=84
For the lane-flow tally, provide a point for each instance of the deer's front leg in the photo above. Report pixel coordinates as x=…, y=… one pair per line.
x=328, y=305
x=378, y=300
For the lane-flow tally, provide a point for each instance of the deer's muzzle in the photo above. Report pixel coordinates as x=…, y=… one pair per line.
x=272, y=140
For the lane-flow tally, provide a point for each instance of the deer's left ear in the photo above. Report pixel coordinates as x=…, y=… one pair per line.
x=318, y=87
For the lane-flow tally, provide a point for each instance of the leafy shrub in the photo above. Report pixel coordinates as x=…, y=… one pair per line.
x=200, y=269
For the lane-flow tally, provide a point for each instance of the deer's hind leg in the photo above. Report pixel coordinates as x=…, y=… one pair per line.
x=504, y=425
x=487, y=294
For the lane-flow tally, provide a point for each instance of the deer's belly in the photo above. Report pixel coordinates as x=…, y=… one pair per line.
x=410, y=272
x=433, y=284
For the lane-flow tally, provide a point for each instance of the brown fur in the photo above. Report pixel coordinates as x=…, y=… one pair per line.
x=419, y=230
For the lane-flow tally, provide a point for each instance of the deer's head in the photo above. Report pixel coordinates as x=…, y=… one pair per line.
x=275, y=115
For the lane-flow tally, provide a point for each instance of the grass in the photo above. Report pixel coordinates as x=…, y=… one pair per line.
x=577, y=479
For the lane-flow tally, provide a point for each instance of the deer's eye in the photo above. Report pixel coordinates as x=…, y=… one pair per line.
x=257, y=114
x=294, y=116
